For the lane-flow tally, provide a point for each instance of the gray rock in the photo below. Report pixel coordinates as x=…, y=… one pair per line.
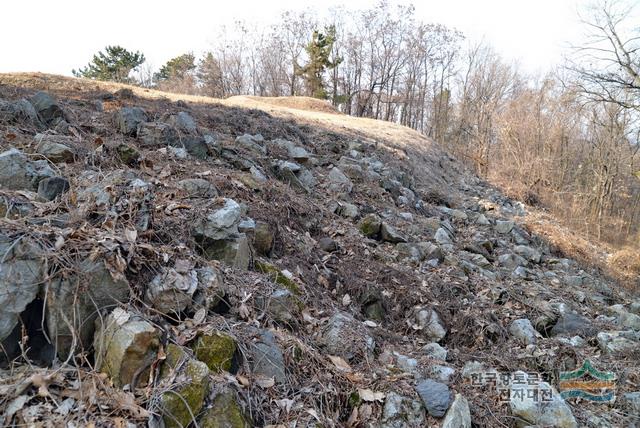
x=338, y=182
x=21, y=111
x=522, y=330
x=511, y=261
x=294, y=174
x=442, y=373
x=17, y=172
x=428, y=321
x=53, y=148
x=459, y=214
x=127, y=120
x=124, y=345
x=406, y=216
x=526, y=404
x=347, y=210
x=267, y=359
x=47, y=108
x=402, y=412
x=247, y=225
x=51, y=187
x=389, y=234
x=183, y=122
x=504, y=227
x=571, y=324
x=370, y=226
x=233, y=251
x=443, y=237
x=22, y=270
x=631, y=401
x=408, y=364
x=435, y=351
x=171, y=291
x=528, y=253
x=435, y=396
x=625, y=319
x=297, y=153
x=221, y=223
x=458, y=415
x=482, y=220
x=410, y=252
x=328, y=244
x=634, y=307
x=282, y=306
x=194, y=145
x=252, y=143
x=346, y=337
x=618, y=342
x=157, y=134
x=198, y=188
x=74, y=303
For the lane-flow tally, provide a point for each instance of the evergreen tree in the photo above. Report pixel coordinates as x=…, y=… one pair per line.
x=177, y=68
x=115, y=64
x=210, y=77
x=318, y=50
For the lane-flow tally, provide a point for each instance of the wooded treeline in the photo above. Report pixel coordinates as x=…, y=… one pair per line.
x=567, y=140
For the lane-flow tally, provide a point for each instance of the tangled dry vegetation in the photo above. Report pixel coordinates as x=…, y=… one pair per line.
x=350, y=334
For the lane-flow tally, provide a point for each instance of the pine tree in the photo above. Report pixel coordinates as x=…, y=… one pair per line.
x=115, y=65
x=318, y=50
x=210, y=76
x=177, y=68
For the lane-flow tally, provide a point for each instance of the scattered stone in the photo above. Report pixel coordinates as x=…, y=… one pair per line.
x=401, y=412
x=157, y=134
x=528, y=253
x=428, y=321
x=283, y=306
x=511, y=261
x=171, y=291
x=216, y=350
x=327, y=244
x=53, y=148
x=435, y=351
x=198, y=188
x=482, y=220
x=125, y=346
x=347, y=210
x=389, y=234
x=266, y=358
x=435, y=396
x=442, y=373
x=233, y=251
x=338, y=182
x=525, y=404
x=443, y=237
x=252, y=143
x=17, y=172
x=51, y=187
x=297, y=153
x=504, y=227
x=346, y=337
x=127, y=120
x=458, y=415
x=183, y=122
x=523, y=331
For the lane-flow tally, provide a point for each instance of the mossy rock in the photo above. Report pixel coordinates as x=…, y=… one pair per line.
x=263, y=238
x=127, y=154
x=216, y=350
x=370, y=226
x=278, y=277
x=179, y=405
x=174, y=354
x=225, y=412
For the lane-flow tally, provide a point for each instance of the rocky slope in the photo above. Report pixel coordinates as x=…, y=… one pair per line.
x=198, y=263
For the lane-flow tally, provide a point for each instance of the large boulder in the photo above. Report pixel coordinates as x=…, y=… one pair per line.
x=74, y=303
x=55, y=148
x=47, y=108
x=22, y=270
x=127, y=120
x=125, y=347
x=17, y=172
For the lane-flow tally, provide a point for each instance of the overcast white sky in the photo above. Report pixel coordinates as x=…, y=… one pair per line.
x=57, y=36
